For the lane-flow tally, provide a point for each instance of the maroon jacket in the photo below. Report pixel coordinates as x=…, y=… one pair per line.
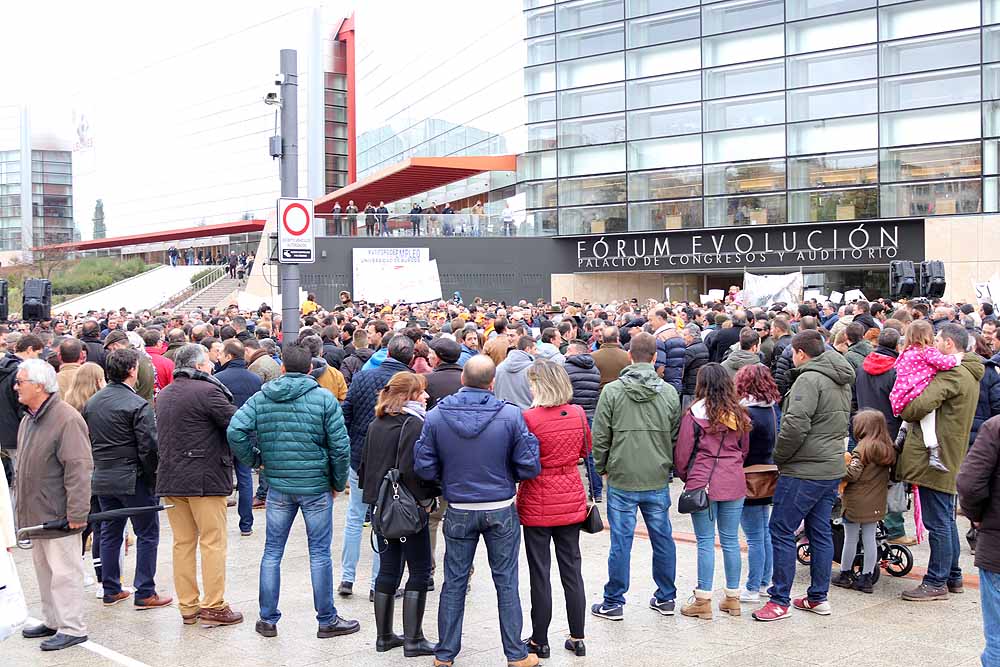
x=556, y=497
x=731, y=447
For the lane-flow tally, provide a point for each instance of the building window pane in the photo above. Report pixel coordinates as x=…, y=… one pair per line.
x=828, y=136
x=539, y=79
x=592, y=190
x=591, y=41
x=663, y=90
x=540, y=22
x=991, y=44
x=658, y=216
x=656, y=153
x=807, y=9
x=534, y=166
x=935, y=52
x=742, y=177
x=664, y=28
x=740, y=15
x=926, y=125
x=744, y=144
x=540, y=223
x=745, y=79
x=923, y=199
x=540, y=194
x=664, y=59
x=600, y=99
x=831, y=67
x=745, y=210
x=832, y=32
x=541, y=107
x=927, y=16
x=594, y=130
x=583, y=13
x=930, y=89
x=991, y=156
x=643, y=7
x=826, y=205
x=592, y=160
x=541, y=137
x=750, y=111
x=591, y=71
x=991, y=11
x=991, y=195
x=834, y=170
x=846, y=99
x=541, y=50
x=991, y=81
x=923, y=163
x=593, y=220
x=743, y=46
x=665, y=184
x=683, y=119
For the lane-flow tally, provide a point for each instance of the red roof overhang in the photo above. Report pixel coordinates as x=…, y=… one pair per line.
x=413, y=176
x=238, y=227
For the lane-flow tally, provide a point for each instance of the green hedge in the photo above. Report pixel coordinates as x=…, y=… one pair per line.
x=95, y=273
x=201, y=274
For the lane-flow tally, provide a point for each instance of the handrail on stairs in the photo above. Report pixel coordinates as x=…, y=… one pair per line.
x=195, y=288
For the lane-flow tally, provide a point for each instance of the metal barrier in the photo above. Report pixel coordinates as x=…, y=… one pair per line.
x=435, y=225
x=196, y=287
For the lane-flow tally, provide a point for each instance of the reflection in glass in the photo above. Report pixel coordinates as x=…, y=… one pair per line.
x=939, y=198
x=644, y=7
x=541, y=21
x=931, y=162
x=664, y=28
x=591, y=71
x=592, y=190
x=541, y=107
x=541, y=50
x=745, y=210
x=664, y=59
x=745, y=79
x=541, y=137
x=991, y=156
x=539, y=194
x=682, y=119
x=930, y=89
x=750, y=111
x=740, y=15
x=539, y=79
x=671, y=152
x=927, y=16
x=658, y=216
x=743, y=46
x=591, y=41
x=832, y=32
x=592, y=160
x=664, y=90
x=743, y=177
x=593, y=220
x=828, y=136
x=826, y=205
x=540, y=223
x=817, y=69
x=745, y=144
x=588, y=101
x=665, y=184
x=534, y=166
x=807, y=9
x=582, y=13
x=845, y=99
x=835, y=169
x=933, y=52
x=927, y=125
x=592, y=130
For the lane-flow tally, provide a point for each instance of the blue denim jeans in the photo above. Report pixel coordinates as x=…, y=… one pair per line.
x=727, y=515
x=501, y=530
x=244, y=494
x=942, y=532
x=796, y=500
x=354, y=528
x=654, y=505
x=760, y=558
x=989, y=592
x=596, y=482
x=317, y=512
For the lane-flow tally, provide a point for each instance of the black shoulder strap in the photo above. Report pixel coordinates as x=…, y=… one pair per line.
x=400, y=439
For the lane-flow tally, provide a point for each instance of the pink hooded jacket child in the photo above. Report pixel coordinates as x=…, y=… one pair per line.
x=915, y=368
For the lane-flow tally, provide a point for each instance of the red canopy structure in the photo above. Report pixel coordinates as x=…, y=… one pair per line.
x=238, y=227
x=413, y=176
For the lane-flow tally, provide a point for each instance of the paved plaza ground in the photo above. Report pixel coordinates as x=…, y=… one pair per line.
x=863, y=630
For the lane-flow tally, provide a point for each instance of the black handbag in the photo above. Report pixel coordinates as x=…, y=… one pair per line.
x=396, y=514
x=696, y=500
x=593, y=523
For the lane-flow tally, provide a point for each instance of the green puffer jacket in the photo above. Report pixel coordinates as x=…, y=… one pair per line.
x=856, y=353
x=635, y=428
x=954, y=394
x=815, y=418
x=304, y=448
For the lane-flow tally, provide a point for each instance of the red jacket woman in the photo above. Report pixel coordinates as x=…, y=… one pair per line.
x=556, y=497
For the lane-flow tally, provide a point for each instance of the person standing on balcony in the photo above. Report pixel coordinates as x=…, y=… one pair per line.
x=448, y=229
x=383, y=219
x=415, y=213
x=478, y=218
x=337, y=220
x=370, y=219
x=508, y=220
x=352, y=217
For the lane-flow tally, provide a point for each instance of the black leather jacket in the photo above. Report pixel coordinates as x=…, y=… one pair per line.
x=123, y=438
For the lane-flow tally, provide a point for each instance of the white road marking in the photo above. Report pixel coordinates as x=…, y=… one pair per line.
x=101, y=650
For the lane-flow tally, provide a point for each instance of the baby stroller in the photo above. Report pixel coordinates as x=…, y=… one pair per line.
x=895, y=559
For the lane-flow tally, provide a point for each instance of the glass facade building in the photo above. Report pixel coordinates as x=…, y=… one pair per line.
x=646, y=115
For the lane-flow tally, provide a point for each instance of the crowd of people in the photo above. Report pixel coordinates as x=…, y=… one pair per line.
x=509, y=423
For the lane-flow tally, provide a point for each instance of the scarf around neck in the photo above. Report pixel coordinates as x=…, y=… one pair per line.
x=416, y=409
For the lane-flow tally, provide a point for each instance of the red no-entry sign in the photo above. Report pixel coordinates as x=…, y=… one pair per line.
x=296, y=236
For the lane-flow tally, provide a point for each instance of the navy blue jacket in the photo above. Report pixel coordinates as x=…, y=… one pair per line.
x=359, y=406
x=586, y=381
x=766, y=422
x=695, y=356
x=242, y=383
x=989, y=396
x=477, y=446
x=671, y=355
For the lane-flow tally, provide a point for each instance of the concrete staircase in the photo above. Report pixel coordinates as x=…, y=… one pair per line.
x=211, y=295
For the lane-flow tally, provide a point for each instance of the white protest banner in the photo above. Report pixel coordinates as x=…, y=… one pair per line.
x=395, y=274
x=705, y=299
x=836, y=297
x=854, y=295
x=767, y=289
x=716, y=294
x=810, y=294
x=983, y=293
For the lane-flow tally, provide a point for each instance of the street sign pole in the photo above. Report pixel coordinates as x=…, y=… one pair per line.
x=289, y=170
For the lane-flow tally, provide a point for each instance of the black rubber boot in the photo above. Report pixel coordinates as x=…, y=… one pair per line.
x=385, y=639
x=413, y=618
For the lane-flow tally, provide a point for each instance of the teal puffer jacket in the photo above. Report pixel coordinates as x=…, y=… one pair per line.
x=304, y=448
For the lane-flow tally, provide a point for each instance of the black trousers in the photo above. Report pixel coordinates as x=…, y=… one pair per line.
x=567, y=543
x=415, y=552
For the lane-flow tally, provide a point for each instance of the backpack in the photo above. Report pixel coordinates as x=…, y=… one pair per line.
x=396, y=514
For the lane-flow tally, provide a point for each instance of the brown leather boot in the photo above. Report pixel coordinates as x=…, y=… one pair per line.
x=701, y=607
x=731, y=605
x=530, y=661
x=211, y=618
x=441, y=663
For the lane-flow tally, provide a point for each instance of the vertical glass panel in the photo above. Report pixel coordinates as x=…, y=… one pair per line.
x=745, y=79
x=991, y=11
x=831, y=32
x=665, y=184
x=807, y=9
x=924, y=163
x=745, y=144
x=845, y=99
x=541, y=50
x=663, y=90
x=930, y=89
x=833, y=170
x=991, y=118
x=833, y=66
x=540, y=79
x=740, y=15
x=587, y=101
x=991, y=43
x=991, y=156
x=583, y=13
x=933, y=52
x=664, y=28
x=591, y=71
x=745, y=210
x=532, y=4
x=991, y=195
x=927, y=16
x=541, y=107
x=829, y=136
x=743, y=46
x=534, y=166
x=643, y=7
x=827, y=205
x=540, y=223
x=591, y=41
x=592, y=130
x=939, y=198
x=657, y=216
x=927, y=125
x=592, y=160
x=991, y=81
x=541, y=137
x=592, y=190
x=540, y=22
x=664, y=59
x=683, y=119
x=540, y=193
x=750, y=111
x=593, y=220
x=741, y=177
x=656, y=153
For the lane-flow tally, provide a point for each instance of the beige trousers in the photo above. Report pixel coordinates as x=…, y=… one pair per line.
x=59, y=569
x=198, y=522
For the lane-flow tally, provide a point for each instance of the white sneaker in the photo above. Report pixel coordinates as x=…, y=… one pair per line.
x=749, y=596
x=99, y=593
